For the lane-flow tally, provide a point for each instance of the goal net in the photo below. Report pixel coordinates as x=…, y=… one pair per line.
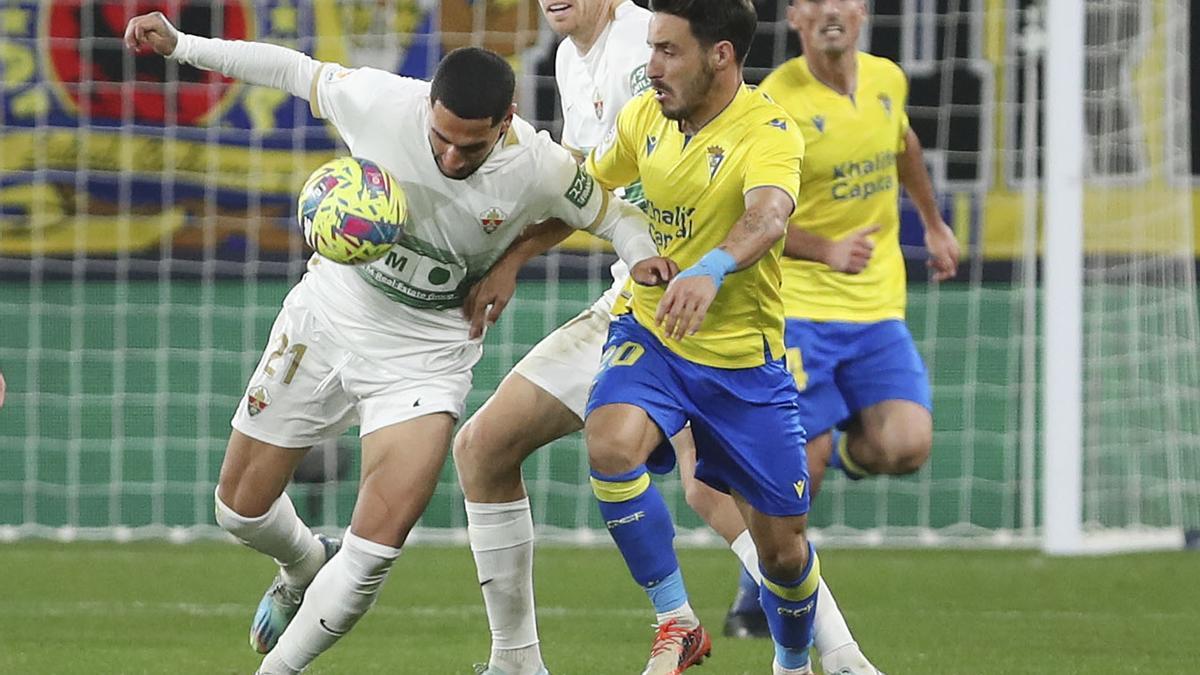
x=147, y=240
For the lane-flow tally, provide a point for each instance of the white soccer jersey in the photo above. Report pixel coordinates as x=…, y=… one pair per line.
x=593, y=87
x=406, y=307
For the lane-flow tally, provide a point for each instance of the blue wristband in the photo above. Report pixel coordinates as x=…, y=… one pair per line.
x=716, y=264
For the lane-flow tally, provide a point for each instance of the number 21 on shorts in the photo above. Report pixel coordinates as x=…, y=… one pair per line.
x=296, y=354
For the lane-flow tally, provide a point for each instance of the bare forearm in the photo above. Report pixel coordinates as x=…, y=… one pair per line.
x=534, y=241
x=914, y=176
x=754, y=234
x=804, y=245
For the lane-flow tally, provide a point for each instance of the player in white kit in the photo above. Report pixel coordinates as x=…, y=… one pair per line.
x=598, y=68
x=384, y=345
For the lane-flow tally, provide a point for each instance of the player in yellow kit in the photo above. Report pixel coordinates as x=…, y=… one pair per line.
x=720, y=169
x=854, y=359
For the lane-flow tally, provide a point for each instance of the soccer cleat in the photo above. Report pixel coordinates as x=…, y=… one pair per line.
x=485, y=669
x=848, y=660
x=677, y=648
x=279, y=604
x=747, y=625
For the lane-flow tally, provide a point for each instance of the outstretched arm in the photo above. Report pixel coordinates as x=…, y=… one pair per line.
x=252, y=62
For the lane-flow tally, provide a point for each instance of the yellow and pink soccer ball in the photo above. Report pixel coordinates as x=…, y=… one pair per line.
x=351, y=211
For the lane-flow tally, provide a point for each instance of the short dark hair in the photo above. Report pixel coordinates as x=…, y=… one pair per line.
x=474, y=83
x=713, y=21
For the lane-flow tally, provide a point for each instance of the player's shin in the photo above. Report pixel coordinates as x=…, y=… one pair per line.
x=791, y=608
x=640, y=524
x=280, y=534
x=501, y=538
x=342, y=592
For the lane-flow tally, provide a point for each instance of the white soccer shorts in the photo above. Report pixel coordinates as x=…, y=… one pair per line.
x=565, y=361
x=309, y=387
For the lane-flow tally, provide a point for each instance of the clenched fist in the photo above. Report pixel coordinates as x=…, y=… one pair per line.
x=151, y=31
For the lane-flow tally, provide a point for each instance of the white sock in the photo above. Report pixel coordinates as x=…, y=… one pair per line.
x=343, y=591
x=743, y=547
x=501, y=538
x=684, y=614
x=280, y=534
x=832, y=638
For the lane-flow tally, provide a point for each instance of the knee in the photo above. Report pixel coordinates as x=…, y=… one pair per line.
x=906, y=451
x=481, y=452
x=612, y=453
x=784, y=561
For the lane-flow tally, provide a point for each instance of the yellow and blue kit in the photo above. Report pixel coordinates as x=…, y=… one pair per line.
x=728, y=379
x=846, y=338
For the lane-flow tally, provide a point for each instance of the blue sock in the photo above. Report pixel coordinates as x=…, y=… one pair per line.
x=841, y=460
x=638, y=520
x=791, y=609
x=746, y=600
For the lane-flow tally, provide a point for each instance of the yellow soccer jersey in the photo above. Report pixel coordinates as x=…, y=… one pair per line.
x=850, y=182
x=695, y=188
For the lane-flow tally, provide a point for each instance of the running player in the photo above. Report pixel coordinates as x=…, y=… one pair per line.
x=720, y=169
x=383, y=345
x=599, y=67
x=854, y=359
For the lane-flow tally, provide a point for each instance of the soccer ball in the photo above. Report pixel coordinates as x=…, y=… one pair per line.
x=351, y=211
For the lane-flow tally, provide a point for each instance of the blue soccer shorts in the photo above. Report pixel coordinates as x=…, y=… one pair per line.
x=842, y=368
x=745, y=421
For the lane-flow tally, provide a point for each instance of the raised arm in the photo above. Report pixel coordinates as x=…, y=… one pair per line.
x=252, y=62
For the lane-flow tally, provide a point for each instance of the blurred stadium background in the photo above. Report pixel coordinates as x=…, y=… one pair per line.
x=147, y=238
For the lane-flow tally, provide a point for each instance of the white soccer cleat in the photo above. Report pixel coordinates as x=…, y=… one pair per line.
x=485, y=669
x=848, y=660
x=280, y=604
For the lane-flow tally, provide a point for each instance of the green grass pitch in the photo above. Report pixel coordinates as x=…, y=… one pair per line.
x=163, y=608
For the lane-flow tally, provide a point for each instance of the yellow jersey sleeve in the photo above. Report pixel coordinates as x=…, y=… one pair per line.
x=851, y=181
x=779, y=149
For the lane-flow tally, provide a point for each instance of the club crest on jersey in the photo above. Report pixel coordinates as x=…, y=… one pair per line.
x=492, y=219
x=651, y=143
x=716, y=155
x=886, y=102
x=257, y=400
x=819, y=122
x=598, y=104
x=779, y=123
